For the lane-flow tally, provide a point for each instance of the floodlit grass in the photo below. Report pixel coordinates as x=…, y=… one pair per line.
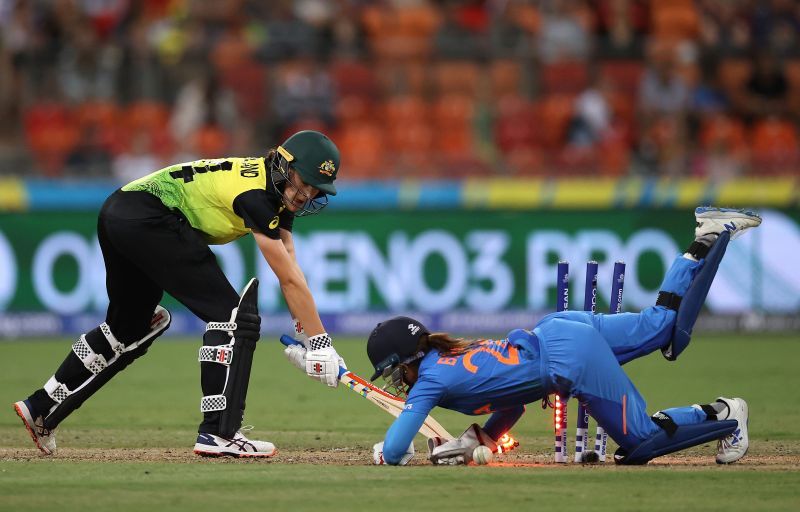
x=154, y=404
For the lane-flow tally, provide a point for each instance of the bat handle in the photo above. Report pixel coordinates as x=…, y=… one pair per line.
x=289, y=341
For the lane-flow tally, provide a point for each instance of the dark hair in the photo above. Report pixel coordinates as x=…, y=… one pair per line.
x=445, y=344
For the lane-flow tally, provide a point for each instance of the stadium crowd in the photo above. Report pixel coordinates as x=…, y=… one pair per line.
x=423, y=88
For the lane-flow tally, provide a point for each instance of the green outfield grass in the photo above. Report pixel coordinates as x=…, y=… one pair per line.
x=154, y=404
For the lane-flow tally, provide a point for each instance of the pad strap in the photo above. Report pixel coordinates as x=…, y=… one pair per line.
x=211, y=403
x=116, y=346
x=698, y=249
x=221, y=326
x=93, y=362
x=222, y=354
x=669, y=300
x=666, y=423
x=56, y=390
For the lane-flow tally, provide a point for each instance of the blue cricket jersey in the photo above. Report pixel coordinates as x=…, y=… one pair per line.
x=497, y=375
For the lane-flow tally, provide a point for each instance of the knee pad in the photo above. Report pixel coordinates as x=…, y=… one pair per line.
x=669, y=439
x=101, y=368
x=231, y=344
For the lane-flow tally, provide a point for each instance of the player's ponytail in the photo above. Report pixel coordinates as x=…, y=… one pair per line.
x=445, y=344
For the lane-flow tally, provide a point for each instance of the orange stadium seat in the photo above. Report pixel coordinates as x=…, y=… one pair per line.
x=555, y=111
x=723, y=131
x=733, y=74
x=515, y=127
x=774, y=147
x=249, y=86
x=211, y=141
x=675, y=20
x=405, y=109
x=565, y=77
x=354, y=78
x=52, y=132
x=362, y=148
x=410, y=148
x=456, y=77
x=146, y=115
x=505, y=77
x=624, y=74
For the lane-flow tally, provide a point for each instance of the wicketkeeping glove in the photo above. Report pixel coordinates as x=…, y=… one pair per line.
x=459, y=450
x=377, y=454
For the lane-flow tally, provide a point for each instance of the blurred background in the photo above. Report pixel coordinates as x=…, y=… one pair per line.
x=487, y=139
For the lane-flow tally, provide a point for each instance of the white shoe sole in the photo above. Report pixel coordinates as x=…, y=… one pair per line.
x=207, y=451
x=25, y=415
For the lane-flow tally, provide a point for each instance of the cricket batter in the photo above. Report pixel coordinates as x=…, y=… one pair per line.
x=572, y=353
x=154, y=234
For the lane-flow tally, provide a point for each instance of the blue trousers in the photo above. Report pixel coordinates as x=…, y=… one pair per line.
x=585, y=352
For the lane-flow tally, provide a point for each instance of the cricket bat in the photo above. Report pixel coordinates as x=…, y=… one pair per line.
x=383, y=399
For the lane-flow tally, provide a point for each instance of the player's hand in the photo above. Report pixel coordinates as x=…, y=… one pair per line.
x=322, y=361
x=377, y=454
x=296, y=354
x=459, y=451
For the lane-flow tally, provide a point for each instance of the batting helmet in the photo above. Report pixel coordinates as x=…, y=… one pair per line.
x=314, y=156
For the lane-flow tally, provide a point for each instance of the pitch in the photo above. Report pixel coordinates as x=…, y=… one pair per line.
x=130, y=446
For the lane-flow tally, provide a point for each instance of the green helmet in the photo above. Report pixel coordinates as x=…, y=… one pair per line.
x=315, y=157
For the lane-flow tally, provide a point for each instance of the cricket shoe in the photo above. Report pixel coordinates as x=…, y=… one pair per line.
x=210, y=445
x=45, y=439
x=734, y=446
x=711, y=220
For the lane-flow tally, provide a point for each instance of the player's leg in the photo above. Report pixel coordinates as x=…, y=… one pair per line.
x=189, y=272
x=632, y=335
x=133, y=321
x=582, y=366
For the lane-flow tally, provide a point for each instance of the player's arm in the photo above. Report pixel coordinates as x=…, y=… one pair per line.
x=292, y=282
x=397, y=447
x=501, y=422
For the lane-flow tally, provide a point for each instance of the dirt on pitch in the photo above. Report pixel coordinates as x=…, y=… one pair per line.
x=779, y=461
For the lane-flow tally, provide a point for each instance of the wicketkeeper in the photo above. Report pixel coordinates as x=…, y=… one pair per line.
x=154, y=234
x=573, y=353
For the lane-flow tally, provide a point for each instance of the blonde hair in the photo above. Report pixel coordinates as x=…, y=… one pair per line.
x=445, y=344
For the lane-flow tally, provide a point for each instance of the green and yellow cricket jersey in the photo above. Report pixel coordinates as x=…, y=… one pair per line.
x=224, y=198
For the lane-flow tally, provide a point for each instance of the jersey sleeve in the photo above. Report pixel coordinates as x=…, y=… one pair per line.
x=424, y=396
x=258, y=212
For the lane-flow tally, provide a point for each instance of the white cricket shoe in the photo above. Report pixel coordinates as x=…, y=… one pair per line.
x=734, y=447
x=716, y=220
x=210, y=445
x=45, y=439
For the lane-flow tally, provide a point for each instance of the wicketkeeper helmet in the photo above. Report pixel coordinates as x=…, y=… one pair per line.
x=394, y=342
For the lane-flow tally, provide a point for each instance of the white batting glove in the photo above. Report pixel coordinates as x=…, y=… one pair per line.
x=322, y=361
x=377, y=454
x=296, y=354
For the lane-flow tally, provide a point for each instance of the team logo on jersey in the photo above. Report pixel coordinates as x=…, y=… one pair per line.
x=327, y=168
x=274, y=223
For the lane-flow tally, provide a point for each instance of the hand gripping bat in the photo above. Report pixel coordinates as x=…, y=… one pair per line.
x=383, y=399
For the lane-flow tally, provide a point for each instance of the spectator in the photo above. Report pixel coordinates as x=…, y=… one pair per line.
x=563, y=36
x=202, y=101
x=621, y=26
x=662, y=90
x=592, y=114
x=767, y=90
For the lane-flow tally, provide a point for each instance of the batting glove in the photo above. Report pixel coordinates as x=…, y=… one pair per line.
x=322, y=361
x=377, y=455
x=296, y=354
